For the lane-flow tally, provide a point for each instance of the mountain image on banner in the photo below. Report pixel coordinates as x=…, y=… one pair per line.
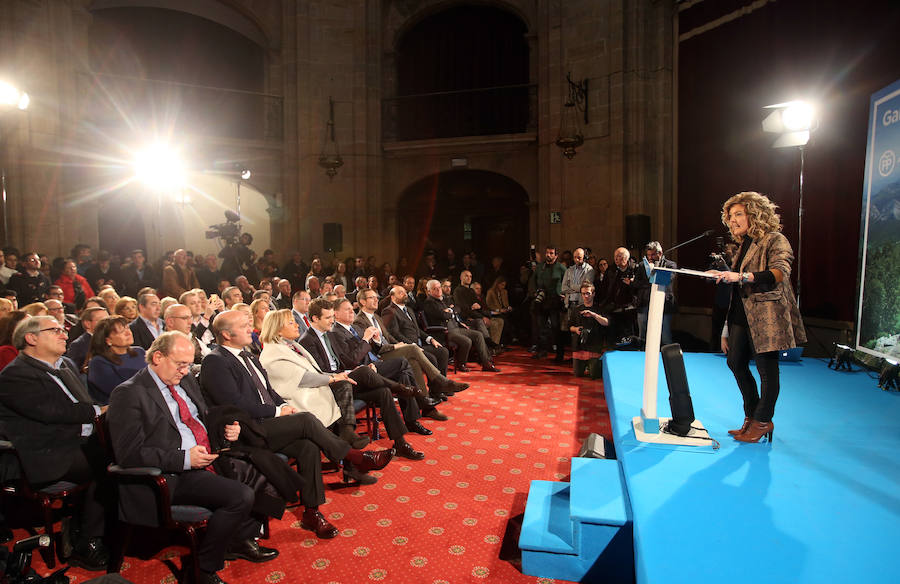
x=884, y=216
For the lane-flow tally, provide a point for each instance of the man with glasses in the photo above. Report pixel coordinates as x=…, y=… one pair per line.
x=179, y=318
x=47, y=413
x=159, y=418
x=31, y=285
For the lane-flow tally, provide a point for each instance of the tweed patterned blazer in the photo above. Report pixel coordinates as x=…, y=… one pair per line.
x=772, y=311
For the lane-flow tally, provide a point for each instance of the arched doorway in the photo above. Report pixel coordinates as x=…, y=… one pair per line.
x=467, y=210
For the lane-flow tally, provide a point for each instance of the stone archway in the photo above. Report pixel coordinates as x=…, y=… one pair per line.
x=467, y=210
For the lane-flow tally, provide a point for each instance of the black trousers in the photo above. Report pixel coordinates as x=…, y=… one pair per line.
x=371, y=388
x=759, y=406
x=88, y=465
x=302, y=436
x=548, y=326
x=229, y=500
x=440, y=356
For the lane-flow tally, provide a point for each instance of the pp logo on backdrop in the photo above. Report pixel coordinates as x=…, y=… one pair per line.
x=886, y=163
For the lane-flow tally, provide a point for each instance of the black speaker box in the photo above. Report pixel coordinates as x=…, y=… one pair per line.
x=637, y=231
x=332, y=237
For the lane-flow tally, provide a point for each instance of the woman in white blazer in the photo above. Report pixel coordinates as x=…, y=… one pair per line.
x=293, y=372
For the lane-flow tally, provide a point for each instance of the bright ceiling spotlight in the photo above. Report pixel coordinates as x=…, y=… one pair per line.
x=794, y=120
x=10, y=96
x=159, y=167
x=245, y=174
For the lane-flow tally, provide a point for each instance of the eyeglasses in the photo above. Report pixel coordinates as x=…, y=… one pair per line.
x=180, y=366
x=57, y=330
x=188, y=317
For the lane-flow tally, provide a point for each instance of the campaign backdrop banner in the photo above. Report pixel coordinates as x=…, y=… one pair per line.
x=878, y=314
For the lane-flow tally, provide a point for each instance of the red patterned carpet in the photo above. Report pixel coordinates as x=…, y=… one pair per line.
x=450, y=518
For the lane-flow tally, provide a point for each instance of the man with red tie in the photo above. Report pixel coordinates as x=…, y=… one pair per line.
x=300, y=311
x=156, y=419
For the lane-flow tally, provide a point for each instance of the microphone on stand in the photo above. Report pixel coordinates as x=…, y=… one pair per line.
x=706, y=233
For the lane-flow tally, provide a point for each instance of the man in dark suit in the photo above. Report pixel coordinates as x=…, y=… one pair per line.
x=156, y=418
x=283, y=299
x=78, y=349
x=48, y=415
x=230, y=375
x=370, y=385
x=400, y=321
x=148, y=325
x=439, y=310
x=387, y=347
x=138, y=275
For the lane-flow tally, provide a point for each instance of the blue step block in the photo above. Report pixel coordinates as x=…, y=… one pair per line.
x=579, y=531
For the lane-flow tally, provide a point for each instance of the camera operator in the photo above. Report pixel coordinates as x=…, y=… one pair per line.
x=548, y=303
x=237, y=258
x=589, y=334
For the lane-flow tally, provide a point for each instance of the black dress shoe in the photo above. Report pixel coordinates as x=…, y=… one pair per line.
x=90, y=554
x=250, y=550
x=314, y=521
x=419, y=429
x=462, y=368
x=352, y=475
x=490, y=368
x=210, y=578
x=406, y=451
x=374, y=460
x=430, y=402
x=434, y=415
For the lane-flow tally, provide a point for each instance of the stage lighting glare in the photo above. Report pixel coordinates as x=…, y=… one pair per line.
x=245, y=174
x=159, y=167
x=798, y=116
x=10, y=96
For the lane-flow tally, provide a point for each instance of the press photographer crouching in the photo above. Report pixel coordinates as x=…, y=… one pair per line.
x=590, y=336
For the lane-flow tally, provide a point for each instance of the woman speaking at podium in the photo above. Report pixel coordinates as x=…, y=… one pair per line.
x=763, y=316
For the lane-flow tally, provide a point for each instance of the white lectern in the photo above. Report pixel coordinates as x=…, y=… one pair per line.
x=647, y=425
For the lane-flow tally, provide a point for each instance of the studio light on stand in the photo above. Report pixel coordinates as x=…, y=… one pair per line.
x=841, y=358
x=160, y=168
x=794, y=122
x=890, y=370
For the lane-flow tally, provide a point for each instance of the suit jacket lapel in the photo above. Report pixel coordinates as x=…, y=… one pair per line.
x=309, y=357
x=752, y=252
x=149, y=385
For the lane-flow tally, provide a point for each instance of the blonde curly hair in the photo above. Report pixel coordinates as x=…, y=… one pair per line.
x=761, y=215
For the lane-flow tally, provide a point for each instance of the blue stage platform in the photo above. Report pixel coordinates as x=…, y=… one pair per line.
x=821, y=504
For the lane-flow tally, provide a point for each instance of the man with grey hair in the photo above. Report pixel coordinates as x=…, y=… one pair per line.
x=231, y=296
x=178, y=318
x=158, y=418
x=47, y=413
x=178, y=277
x=439, y=310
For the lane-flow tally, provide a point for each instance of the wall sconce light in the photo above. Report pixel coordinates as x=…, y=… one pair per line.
x=330, y=158
x=570, y=136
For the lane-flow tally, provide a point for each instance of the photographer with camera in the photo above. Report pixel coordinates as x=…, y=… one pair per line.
x=621, y=298
x=237, y=258
x=548, y=303
x=589, y=334
x=653, y=257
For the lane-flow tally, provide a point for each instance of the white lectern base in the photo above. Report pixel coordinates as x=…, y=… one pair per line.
x=694, y=438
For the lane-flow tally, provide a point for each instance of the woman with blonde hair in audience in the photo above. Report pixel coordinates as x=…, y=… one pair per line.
x=8, y=324
x=166, y=302
x=292, y=370
x=113, y=358
x=258, y=309
x=36, y=309
x=126, y=306
x=6, y=306
x=110, y=297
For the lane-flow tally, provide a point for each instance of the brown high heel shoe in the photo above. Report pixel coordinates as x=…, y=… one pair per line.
x=756, y=431
x=742, y=429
